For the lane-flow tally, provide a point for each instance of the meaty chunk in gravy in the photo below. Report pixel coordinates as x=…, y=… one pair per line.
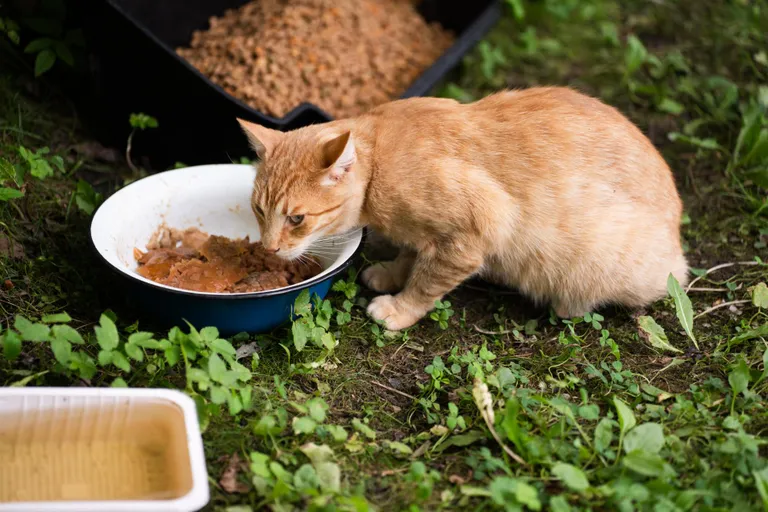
x=194, y=260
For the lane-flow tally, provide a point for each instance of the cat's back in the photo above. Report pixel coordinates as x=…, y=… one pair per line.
x=541, y=100
x=544, y=121
x=542, y=141
x=555, y=117
x=569, y=139
x=512, y=107
x=418, y=112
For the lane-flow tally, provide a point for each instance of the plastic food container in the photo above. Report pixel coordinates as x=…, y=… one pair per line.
x=132, y=67
x=100, y=450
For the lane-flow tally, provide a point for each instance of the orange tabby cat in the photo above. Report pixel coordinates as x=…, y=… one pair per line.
x=546, y=190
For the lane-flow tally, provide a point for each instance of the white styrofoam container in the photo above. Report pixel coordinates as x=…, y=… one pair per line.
x=36, y=422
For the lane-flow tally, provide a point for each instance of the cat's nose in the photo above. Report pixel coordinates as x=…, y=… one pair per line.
x=272, y=250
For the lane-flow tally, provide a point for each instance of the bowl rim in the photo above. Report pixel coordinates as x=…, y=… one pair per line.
x=212, y=295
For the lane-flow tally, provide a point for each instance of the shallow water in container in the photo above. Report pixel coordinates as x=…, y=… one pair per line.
x=115, y=452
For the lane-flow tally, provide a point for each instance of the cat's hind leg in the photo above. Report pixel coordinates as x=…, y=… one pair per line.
x=567, y=309
x=390, y=276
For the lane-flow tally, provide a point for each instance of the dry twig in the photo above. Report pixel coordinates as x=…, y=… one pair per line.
x=719, y=267
x=490, y=333
x=393, y=390
x=723, y=305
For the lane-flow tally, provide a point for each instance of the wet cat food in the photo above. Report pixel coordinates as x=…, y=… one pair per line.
x=345, y=56
x=194, y=260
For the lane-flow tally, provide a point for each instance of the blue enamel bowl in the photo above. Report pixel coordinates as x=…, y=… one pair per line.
x=215, y=199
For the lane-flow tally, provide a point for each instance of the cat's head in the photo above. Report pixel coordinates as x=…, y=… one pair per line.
x=306, y=188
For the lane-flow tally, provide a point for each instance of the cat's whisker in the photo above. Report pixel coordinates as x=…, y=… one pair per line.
x=336, y=239
x=330, y=248
x=330, y=244
x=345, y=233
x=342, y=236
x=323, y=253
x=327, y=245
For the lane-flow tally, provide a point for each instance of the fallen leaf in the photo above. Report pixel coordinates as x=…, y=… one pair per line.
x=421, y=450
x=760, y=296
x=246, y=350
x=457, y=479
x=439, y=430
x=654, y=334
x=229, y=481
x=11, y=248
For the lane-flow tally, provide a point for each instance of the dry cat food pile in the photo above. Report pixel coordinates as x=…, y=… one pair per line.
x=194, y=260
x=345, y=56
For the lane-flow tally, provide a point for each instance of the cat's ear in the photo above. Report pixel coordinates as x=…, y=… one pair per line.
x=339, y=155
x=262, y=140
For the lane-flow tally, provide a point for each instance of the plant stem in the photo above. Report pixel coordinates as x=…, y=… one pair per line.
x=69, y=206
x=718, y=267
x=724, y=304
x=128, y=151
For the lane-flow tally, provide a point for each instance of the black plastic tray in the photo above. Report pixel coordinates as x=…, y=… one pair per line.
x=133, y=68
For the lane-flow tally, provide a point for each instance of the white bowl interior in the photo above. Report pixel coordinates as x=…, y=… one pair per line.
x=214, y=198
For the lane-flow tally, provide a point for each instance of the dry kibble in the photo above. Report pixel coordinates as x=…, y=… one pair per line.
x=345, y=56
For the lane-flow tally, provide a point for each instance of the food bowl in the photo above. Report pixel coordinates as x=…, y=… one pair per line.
x=215, y=199
x=100, y=450
x=128, y=41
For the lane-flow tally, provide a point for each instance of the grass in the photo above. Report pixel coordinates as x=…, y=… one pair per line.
x=491, y=403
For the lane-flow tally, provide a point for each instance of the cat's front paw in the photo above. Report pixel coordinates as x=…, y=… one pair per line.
x=392, y=313
x=379, y=278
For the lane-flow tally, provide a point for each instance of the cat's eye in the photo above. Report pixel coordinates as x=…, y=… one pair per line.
x=296, y=219
x=258, y=211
